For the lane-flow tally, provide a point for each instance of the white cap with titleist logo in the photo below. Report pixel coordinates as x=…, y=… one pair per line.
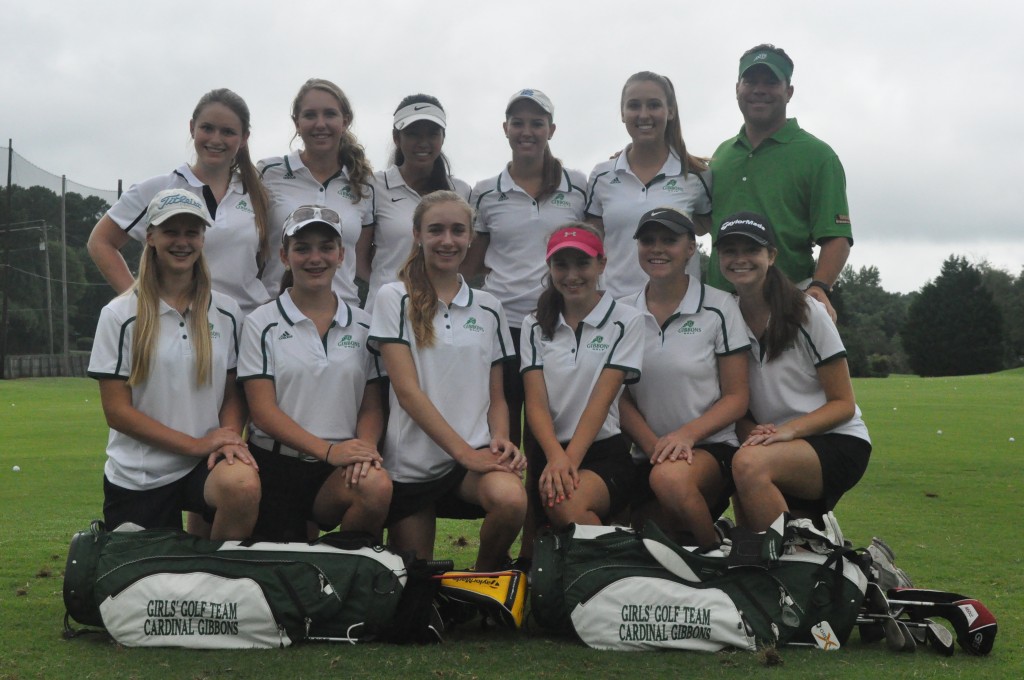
x=171, y=202
x=535, y=96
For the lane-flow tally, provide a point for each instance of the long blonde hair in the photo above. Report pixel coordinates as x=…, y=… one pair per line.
x=147, y=318
x=422, y=294
x=351, y=154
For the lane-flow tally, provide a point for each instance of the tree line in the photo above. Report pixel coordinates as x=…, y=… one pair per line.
x=968, y=320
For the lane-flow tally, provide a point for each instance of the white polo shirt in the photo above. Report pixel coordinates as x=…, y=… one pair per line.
x=519, y=228
x=619, y=198
x=788, y=386
x=611, y=336
x=291, y=184
x=170, y=394
x=319, y=381
x=471, y=335
x=680, y=368
x=394, y=203
x=231, y=243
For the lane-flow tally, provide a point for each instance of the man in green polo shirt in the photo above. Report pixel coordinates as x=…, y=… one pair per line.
x=774, y=168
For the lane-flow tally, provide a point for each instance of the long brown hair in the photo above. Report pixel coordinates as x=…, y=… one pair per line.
x=787, y=306
x=147, y=318
x=243, y=165
x=351, y=154
x=551, y=168
x=674, y=128
x=422, y=294
x=551, y=304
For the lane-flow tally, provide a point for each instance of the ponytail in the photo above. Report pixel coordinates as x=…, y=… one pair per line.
x=788, y=311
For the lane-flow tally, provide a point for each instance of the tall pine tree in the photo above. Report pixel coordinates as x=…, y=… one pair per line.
x=954, y=327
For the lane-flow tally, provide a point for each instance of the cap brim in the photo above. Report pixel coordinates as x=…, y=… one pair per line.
x=742, y=234
x=166, y=215
x=291, y=230
x=406, y=122
x=674, y=227
x=582, y=247
x=772, y=67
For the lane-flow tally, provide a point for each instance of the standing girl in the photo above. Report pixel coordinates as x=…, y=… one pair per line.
x=681, y=413
x=809, y=445
x=653, y=170
x=418, y=167
x=225, y=180
x=579, y=348
x=516, y=211
x=310, y=382
x=331, y=170
x=164, y=356
x=447, y=446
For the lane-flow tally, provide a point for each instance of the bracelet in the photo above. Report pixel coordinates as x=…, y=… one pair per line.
x=821, y=284
x=327, y=456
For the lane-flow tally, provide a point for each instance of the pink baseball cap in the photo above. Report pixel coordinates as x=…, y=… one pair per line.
x=575, y=237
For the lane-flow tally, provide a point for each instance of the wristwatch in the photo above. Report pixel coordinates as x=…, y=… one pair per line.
x=815, y=283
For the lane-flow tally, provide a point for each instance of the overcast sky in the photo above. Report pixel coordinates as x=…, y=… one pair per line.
x=920, y=98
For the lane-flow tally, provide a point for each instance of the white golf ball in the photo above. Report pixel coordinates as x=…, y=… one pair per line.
x=939, y=432
x=16, y=468
x=1012, y=439
x=893, y=408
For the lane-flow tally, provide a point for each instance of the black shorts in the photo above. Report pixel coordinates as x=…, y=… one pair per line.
x=608, y=458
x=158, y=508
x=843, y=459
x=722, y=453
x=409, y=498
x=515, y=392
x=289, y=489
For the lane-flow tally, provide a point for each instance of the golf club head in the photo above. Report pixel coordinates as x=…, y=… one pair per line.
x=973, y=624
x=939, y=637
x=909, y=643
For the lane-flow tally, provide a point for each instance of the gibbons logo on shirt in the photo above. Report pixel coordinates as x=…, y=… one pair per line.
x=598, y=344
x=348, y=342
x=214, y=335
x=285, y=336
x=672, y=187
x=689, y=328
x=345, y=192
x=559, y=201
x=244, y=206
x=472, y=325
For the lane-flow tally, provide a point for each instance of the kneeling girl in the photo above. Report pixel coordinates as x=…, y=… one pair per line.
x=447, y=445
x=578, y=350
x=312, y=387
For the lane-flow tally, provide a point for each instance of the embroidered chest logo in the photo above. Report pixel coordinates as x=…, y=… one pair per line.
x=502, y=197
x=672, y=187
x=345, y=192
x=615, y=181
x=560, y=202
x=285, y=336
x=244, y=206
x=349, y=343
x=689, y=328
x=472, y=325
x=598, y=344
x=214, y=335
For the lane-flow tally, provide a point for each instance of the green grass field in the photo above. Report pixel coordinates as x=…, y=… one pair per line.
x=947, y=503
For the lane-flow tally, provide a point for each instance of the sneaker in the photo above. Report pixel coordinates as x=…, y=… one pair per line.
x=883, y=571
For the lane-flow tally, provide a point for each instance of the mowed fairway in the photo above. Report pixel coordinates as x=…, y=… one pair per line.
x=949, y=504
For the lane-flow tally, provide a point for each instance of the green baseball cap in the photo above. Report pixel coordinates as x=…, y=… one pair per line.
x=779, y=65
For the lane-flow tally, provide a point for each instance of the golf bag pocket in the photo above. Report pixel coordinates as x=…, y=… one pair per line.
x=165, y=588
x=637, y=613
x=619, y=589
